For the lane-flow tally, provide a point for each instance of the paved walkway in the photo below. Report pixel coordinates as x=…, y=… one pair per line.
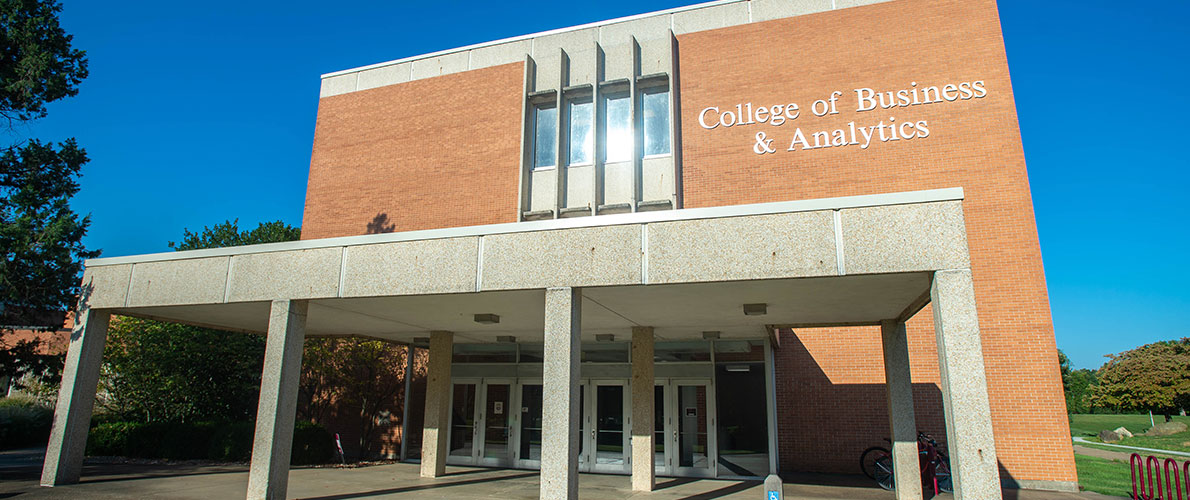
x=19, y=473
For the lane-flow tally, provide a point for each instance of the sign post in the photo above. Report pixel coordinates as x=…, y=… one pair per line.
x=773, y=488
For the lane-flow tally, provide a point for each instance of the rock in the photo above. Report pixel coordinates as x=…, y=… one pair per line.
x=1166, y=429
x=1108, y=436
x=1122, y=432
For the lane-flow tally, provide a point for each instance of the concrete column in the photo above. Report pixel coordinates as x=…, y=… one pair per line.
x=901, y=421
x=970, y=442
x=435, y=445
x=643, y=471
x=560, y=373
x=76, y=397
x=268, y=475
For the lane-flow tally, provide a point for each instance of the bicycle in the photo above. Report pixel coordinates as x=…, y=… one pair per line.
x=876, y=463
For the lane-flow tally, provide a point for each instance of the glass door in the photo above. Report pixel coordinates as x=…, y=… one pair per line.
x=685, y=445
x=528, y=436
x=463, y=418
x=495, y=423
x=603, y=437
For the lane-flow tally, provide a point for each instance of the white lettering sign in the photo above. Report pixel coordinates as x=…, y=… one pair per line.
x=852, y=134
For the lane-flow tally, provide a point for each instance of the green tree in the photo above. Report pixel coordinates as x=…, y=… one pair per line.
x=161, y=371
x=1153, y=377
x=40, y=236
x=1077, y=385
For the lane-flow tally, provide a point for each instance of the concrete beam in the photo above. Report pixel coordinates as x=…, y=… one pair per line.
x=76, y=397
x=899, y=384
x=643, y=457
x=560, y=373
x=268, y=475
x=436, y=429
x=972, y=447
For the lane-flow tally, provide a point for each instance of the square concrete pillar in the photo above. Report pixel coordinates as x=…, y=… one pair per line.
x=76, y=397
x=643, y=472
x=971, y=445
x=560, y=374
x=901, y=421
x=268, y=475
x=435, y=444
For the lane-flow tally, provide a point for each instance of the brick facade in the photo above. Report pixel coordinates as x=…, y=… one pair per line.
x=444, y=152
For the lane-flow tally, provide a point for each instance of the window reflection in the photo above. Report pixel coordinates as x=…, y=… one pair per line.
x=656, y=122
x=617, y=130
x=580, y=132
x=545, y=137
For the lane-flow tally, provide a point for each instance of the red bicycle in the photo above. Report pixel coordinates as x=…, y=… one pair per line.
x=876, y=463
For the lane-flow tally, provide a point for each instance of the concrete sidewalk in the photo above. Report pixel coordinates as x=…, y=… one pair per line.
x=20, y=470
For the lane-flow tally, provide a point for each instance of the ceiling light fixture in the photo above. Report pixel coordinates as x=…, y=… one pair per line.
x=605, y=337
x=487, y=319
x=506, y=338
x=711, y=335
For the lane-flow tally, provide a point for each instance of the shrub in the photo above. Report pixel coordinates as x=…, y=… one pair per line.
x=24, y=422
x=221, y=441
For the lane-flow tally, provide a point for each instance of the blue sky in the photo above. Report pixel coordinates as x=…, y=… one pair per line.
x=194, y=115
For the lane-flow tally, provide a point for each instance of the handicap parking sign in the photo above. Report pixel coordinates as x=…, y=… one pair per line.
x=773, y=496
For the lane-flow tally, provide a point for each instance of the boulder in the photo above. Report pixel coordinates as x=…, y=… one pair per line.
x=1123, y=432
x=1166, y=429
x=1108, y=436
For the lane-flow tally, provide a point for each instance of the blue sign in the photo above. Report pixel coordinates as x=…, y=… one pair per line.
x=774, y=496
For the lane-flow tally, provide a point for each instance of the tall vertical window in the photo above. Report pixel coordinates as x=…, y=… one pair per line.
x=656, y=122
x=617, y=129
x=581, y=138
x=545, y=137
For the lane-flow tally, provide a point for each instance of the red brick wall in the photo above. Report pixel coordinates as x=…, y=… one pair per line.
x=432, y=153
x=830, y=398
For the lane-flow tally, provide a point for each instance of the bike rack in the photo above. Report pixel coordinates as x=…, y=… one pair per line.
x=1151, y=471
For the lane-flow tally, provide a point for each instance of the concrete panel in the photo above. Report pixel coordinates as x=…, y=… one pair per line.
x=919, y=237
x=548, y=70
x=579, y=188
x=178, y=282
x=617, y=183
x=543, y=189
x=843, y=4
x=617, y=61
x=656, y=56
x=336, y=85
x=739, y=248
x=582, y=66
x=595, y=256
x=386, y=75
x=764, y=10
x=657, y=178
x=570, y=41
x=413, y=267
x=647, y=28
x=298, y=274
x=439, y=65
x=495, y=55
x=707, y=18
x=106, y=286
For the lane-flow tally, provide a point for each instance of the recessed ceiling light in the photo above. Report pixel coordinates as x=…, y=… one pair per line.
x=421, y=340
x=506, y=338
x=487, y=319
x=711, y=335
x=605, y=337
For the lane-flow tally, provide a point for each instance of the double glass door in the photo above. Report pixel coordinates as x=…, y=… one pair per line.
x=482, y=419
x=497, y=422
x=683, y=414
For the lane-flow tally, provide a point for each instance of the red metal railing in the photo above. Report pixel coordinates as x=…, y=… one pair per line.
x=1159, y=480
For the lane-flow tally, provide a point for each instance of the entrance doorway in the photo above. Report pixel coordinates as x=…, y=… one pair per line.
x=683, y=414
x=482, y=422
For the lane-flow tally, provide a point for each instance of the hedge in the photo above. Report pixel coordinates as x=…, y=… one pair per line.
x=24, y=422
x=220, y=441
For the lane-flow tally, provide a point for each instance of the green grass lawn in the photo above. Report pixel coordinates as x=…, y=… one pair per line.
x=1091, y=424
x=1109, y=477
